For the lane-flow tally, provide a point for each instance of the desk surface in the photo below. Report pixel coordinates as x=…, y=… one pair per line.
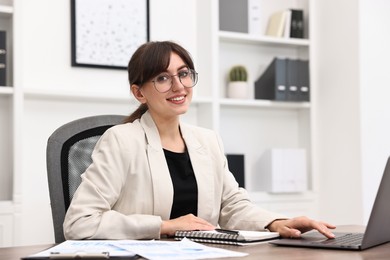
x=260, y=251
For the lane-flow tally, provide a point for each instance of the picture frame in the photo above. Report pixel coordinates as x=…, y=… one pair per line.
x=105, y=33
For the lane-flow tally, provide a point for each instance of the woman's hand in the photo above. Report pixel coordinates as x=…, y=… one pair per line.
x=293, y=228
x=187, y=222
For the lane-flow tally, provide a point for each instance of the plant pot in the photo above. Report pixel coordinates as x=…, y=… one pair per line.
x=237, y=89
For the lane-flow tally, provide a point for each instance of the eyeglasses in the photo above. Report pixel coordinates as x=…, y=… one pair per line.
x=187, y=77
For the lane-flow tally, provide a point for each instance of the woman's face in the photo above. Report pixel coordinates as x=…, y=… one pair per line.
x=175, y=101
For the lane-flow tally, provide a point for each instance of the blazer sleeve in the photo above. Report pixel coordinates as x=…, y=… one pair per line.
x=91, y=214
x=237, y=210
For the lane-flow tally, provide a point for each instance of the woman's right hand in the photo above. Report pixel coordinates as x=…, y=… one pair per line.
x=187, y=222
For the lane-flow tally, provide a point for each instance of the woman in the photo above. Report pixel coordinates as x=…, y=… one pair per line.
x=154, y=175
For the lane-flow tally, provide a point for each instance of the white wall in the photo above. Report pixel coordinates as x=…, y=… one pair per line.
x=337, y=111
x=43, y=63
x=374, y=54
x=353, y=108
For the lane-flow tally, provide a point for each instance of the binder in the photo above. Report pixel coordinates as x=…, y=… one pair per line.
x=296, y=29
x=236, y=166
x=303, y=80
x=271, y=85
x=292, y=93
x=3, y=59
x=242, y=16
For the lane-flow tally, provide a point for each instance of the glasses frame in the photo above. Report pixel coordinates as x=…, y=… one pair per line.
x=171, y=78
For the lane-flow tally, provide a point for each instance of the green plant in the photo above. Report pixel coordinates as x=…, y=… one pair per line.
x=238, y=73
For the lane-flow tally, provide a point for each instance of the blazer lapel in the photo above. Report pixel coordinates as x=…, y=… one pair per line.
x=161, y=178
x=201, y=163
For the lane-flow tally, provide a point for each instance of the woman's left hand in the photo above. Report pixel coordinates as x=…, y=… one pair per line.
x=294, y=227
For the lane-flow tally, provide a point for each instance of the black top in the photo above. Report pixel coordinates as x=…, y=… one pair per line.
x=185, y=188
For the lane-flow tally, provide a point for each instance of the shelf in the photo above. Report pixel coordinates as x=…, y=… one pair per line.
x=6, y=91
x=264, y=104
x=264, y=40
x=265, y=197
x=6, y=11
x=93, y=97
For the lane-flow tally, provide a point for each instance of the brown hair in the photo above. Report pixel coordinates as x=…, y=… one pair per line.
x=148, y=61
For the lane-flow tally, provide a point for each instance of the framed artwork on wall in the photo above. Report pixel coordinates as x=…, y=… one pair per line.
x=105, y=33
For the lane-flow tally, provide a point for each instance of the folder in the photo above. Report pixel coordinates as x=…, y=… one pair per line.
x=236, y=164
x=271, y=84
x=3, y=59
x=303, y=80
x=292, y=93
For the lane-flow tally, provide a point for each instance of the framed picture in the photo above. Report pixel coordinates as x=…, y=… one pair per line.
x=105, y=33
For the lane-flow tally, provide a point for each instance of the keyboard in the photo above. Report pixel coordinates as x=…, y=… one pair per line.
x=351, y=239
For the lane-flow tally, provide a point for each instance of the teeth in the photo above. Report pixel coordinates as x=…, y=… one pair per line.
x=177, y=98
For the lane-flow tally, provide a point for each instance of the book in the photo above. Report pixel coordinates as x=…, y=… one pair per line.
x=276, y=24
x=296, y=29
x=223, y=236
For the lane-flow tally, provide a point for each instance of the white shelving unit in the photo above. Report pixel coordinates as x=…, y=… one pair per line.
x=250, y=126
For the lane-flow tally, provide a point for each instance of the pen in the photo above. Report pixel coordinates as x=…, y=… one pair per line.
x=227, y=231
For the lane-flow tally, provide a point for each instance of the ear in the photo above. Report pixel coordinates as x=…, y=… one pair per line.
x=137, y=92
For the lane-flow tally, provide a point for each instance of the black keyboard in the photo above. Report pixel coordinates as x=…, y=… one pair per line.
x=352, y=239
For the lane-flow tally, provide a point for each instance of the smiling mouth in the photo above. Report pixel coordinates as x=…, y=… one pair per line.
x=176, y=99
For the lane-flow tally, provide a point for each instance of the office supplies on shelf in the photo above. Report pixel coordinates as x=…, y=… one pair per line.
x=282, y=170
x=276, y=24
x=303, y=80
x=272, y=83
x=223, y=236
x=242, y=16
x=284, y=80
x=297, y=27
x=236, y=164
x=292, y=93
x=3, y=58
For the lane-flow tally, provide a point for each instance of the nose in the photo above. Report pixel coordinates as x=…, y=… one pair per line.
x=176, y=83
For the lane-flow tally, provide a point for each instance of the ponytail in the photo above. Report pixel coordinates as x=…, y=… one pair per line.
x=137, y=113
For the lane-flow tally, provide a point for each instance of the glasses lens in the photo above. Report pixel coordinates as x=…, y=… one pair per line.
x=163, y=82
x=188, y=78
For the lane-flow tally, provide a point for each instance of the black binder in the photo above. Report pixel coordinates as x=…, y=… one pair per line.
x=236, y=166
x=292, y=80
x=296, y=27
x=272, y=83
x=3, y=59
x=303, y=80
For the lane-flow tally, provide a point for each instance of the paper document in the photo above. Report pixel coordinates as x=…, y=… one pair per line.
x=84, y=246
x=185, y=249
x=150, y=249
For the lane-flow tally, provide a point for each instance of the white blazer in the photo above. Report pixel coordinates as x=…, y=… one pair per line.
x=127, y=191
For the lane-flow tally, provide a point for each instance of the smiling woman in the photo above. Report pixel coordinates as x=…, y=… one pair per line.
x=154, y=175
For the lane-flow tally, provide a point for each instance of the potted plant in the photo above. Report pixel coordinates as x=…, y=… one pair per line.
x=238, y=85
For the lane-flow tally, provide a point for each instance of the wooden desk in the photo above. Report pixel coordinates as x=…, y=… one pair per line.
x=262, y=251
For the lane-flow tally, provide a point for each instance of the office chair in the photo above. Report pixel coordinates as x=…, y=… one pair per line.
x=68, y=154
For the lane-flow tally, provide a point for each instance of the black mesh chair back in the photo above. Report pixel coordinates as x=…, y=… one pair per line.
x=68, y=155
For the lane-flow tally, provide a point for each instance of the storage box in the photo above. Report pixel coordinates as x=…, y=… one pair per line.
x=282, y=170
